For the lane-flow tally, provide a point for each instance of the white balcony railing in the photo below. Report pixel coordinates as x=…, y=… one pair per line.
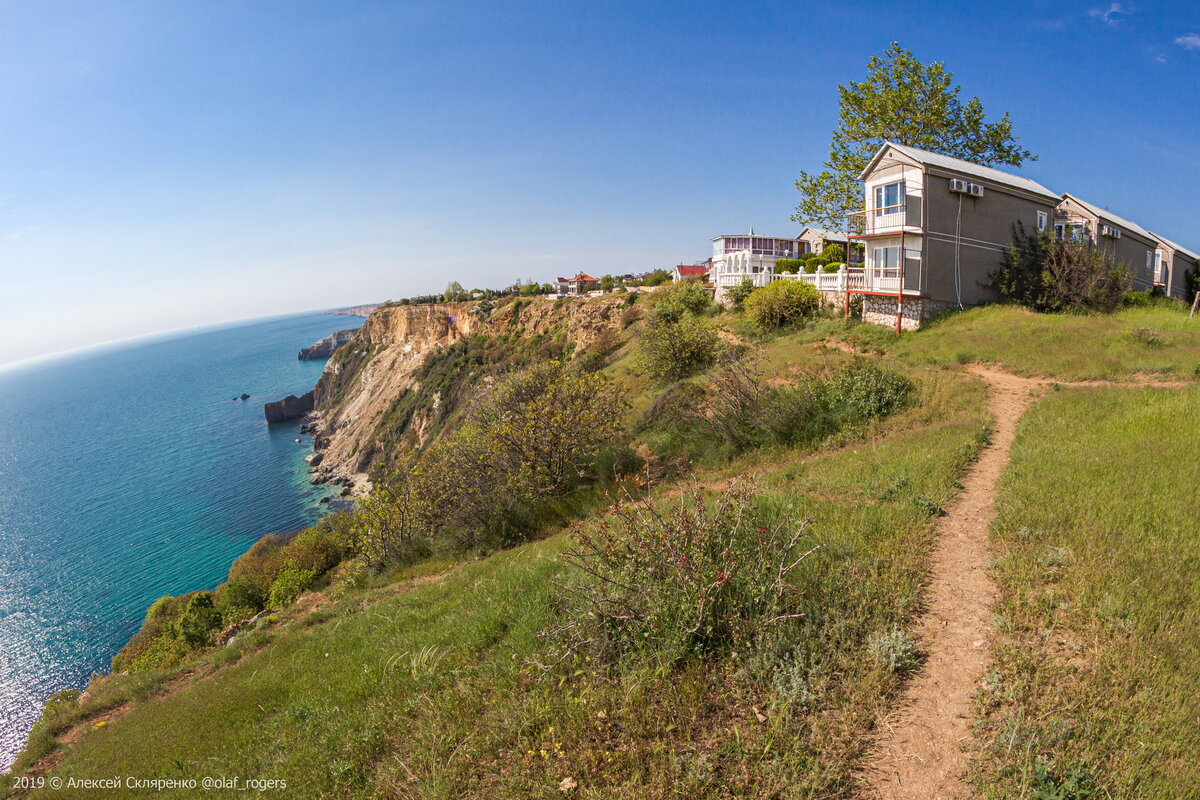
x=865, y=279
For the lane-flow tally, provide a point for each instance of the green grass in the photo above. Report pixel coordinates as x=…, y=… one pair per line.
x=1098, y=542
x=429, y=692
x=1157, y=340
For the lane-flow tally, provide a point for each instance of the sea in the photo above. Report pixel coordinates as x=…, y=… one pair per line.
x=128, y=473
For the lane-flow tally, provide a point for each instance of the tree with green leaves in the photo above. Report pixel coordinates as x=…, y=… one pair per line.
x=905, y=102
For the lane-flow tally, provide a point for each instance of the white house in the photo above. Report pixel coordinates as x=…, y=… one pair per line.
x=751, y=256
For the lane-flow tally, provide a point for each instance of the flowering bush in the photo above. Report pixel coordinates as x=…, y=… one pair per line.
x=699, y=578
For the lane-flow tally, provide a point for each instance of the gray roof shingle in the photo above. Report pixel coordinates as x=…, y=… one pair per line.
x=965, y=167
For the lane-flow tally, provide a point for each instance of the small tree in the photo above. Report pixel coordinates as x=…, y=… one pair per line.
x=673, y=344
x=738, y=294
x=1049, y=275
x=782, y=302
x=788, y=265
x=687, y=296
x=833, y=253
x=453, y=290
x=607, y=283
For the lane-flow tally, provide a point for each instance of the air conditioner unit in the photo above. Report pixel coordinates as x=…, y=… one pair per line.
x=959, y=185
x=975, y=190
x=1110, y=231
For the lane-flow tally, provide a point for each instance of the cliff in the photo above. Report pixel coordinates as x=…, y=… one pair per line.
x=324, y=348
x=290, y=407
x=354, y=311
x=413, y=367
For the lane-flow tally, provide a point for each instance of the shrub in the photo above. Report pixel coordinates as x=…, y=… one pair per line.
x=689, y=296
x=199, y=620
x=241, y=593
x=782, y=302
x=288, y=584
x=701, y=578
x=831, y=267
x=738, y=294
x=1049, y=275
x=895, y=651
x=812, y=266
x=833, y=252
x=863, y=390
x=789, y=265
x=671, y=345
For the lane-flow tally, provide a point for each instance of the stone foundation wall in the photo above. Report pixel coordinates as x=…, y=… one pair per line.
x=881, y=310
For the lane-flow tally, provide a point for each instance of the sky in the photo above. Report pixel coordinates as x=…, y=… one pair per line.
x=177, y=163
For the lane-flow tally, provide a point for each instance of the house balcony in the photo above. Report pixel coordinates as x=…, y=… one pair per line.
x=901, y=218
x=869, y=279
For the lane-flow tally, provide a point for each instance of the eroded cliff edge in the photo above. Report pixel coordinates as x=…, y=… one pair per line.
x=412, y=367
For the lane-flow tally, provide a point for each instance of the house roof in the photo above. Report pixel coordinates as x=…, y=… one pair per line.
x=959, y=165
x=752, y=233
x=832, y=236
x=1105, y=214
x=560, y=280
x=1176, y=247
x=583, y=276
x=692, y=269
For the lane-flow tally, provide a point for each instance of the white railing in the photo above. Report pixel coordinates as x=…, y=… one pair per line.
x=858, y=279
x=731, y=279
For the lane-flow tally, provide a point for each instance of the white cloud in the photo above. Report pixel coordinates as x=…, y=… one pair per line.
x=1161, y=58
x=1189, y=41
x=1114, y=15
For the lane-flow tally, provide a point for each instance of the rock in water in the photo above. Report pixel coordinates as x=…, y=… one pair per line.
x=327, y=346
x=289, y=407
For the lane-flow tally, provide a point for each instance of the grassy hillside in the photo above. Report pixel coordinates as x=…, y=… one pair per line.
x=432, y=676
x=427, y=690
x=1098, y=541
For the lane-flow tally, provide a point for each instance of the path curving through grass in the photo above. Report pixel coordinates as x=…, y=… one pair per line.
x=919, y=752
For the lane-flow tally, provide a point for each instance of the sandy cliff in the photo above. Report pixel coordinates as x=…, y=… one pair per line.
x=370, y=375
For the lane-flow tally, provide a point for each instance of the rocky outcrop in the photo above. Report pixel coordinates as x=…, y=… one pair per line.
x=368, y=376
x=354, y=311
x=290, y=407
x=326, y=347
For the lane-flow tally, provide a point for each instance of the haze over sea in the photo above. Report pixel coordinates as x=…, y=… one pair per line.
x=127, y=474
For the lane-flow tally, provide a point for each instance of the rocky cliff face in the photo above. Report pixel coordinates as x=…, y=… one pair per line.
x=290, y=407
x=367, y=380
x=324, y=348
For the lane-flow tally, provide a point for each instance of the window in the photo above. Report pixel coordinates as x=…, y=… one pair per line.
x=1042, y=220
x=1158, y=264
x=886, y=258
x=889, y=198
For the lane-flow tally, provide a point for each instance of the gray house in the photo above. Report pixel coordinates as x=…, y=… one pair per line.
x=934, y=229
x=1172, y=265
x=815, y=240
x=1121, y=240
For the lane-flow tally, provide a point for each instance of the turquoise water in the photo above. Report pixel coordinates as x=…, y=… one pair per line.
x=128, y=474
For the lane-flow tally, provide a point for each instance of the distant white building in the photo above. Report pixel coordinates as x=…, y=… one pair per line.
x=750, y=256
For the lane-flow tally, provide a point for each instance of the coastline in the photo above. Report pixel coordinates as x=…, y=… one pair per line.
x=215, y=517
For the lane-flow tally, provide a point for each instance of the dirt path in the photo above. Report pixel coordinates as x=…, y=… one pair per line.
x=919, y=754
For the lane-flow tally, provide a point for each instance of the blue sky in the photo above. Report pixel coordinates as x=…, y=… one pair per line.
x=170, y=164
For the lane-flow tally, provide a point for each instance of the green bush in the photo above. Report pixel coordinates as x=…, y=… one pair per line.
x=689, y=296
x=832, y=267
x=788, y=265
x=864, y=391
x=1049, y=275
x=199, y=620
x=833, y=253
x=288, y=584
x=673, y=345
x=738, y=294
x=703, y=578
x=241, y=592
x=782, y=302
